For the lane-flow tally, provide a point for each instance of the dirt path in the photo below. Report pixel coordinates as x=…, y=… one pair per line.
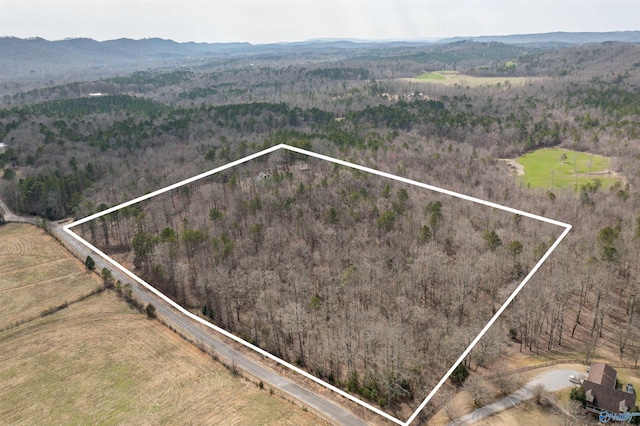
x=606, y=173
x=9, y=216
x=514, y=167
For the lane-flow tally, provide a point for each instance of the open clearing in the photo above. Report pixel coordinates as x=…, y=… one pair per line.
x=452, y=78
x=562, y=168
x=37, y=275
x=432, y=76
x=98, y=361
x=527, y=413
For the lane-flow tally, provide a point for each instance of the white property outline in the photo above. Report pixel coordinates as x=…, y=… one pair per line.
x=180, y=309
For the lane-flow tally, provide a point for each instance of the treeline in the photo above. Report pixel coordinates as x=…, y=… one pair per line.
x=81, y=107
x=341, y=73
x=466, y=55
x=51, y=196
x=154, y=79
x=136, y=124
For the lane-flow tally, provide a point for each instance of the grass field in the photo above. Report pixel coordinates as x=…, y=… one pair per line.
x=525, y=414
x=432, y=76
x=37, y=274
x=451, y=78
x=561, y=168
x=99, y=362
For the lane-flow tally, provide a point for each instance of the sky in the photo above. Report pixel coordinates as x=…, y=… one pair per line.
x=268, y=21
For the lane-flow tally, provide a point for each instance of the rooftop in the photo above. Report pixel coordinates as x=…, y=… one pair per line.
x=602, y=374
x=601, y=393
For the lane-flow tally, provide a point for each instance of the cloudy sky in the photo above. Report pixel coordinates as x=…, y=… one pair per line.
x=265, y=21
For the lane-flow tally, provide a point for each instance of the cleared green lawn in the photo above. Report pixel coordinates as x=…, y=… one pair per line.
x=431, y=76
x=562, y=168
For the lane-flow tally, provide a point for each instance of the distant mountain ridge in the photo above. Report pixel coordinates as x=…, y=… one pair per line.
x=555, y=38
x=123, y=48
x=157, y=48
x=36, y=58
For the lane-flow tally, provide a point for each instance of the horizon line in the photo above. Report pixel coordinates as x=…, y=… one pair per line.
x=355, y=40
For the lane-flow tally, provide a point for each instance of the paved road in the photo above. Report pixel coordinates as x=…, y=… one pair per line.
x=336, y=414
x=553, y=381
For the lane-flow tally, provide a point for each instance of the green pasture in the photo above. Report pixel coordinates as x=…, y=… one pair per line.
x=562, y=168
x=432, y=76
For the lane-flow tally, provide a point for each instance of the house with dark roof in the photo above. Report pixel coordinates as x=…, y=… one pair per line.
x=601, y=392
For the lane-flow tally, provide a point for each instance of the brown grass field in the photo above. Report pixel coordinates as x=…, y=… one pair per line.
x=100, y=362
x=471, y=81
x=525, y=414
x=37, y=275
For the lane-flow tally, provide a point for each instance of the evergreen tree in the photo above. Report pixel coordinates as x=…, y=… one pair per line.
x=90, y=263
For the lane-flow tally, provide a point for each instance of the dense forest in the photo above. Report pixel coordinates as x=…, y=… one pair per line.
x=71, y=154
x=373, y=285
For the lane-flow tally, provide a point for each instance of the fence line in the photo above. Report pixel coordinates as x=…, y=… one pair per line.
x=566, y=361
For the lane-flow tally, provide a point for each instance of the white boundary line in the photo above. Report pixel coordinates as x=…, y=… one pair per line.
x=180, y=309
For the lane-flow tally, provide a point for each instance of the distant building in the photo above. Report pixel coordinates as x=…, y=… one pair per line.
x=95, y=94
x=602, y=395
x=3, y=147
x=261, y=176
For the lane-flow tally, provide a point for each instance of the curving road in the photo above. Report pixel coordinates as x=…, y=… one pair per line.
x=9, y=216
x=553, y=381
x=332, y=412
